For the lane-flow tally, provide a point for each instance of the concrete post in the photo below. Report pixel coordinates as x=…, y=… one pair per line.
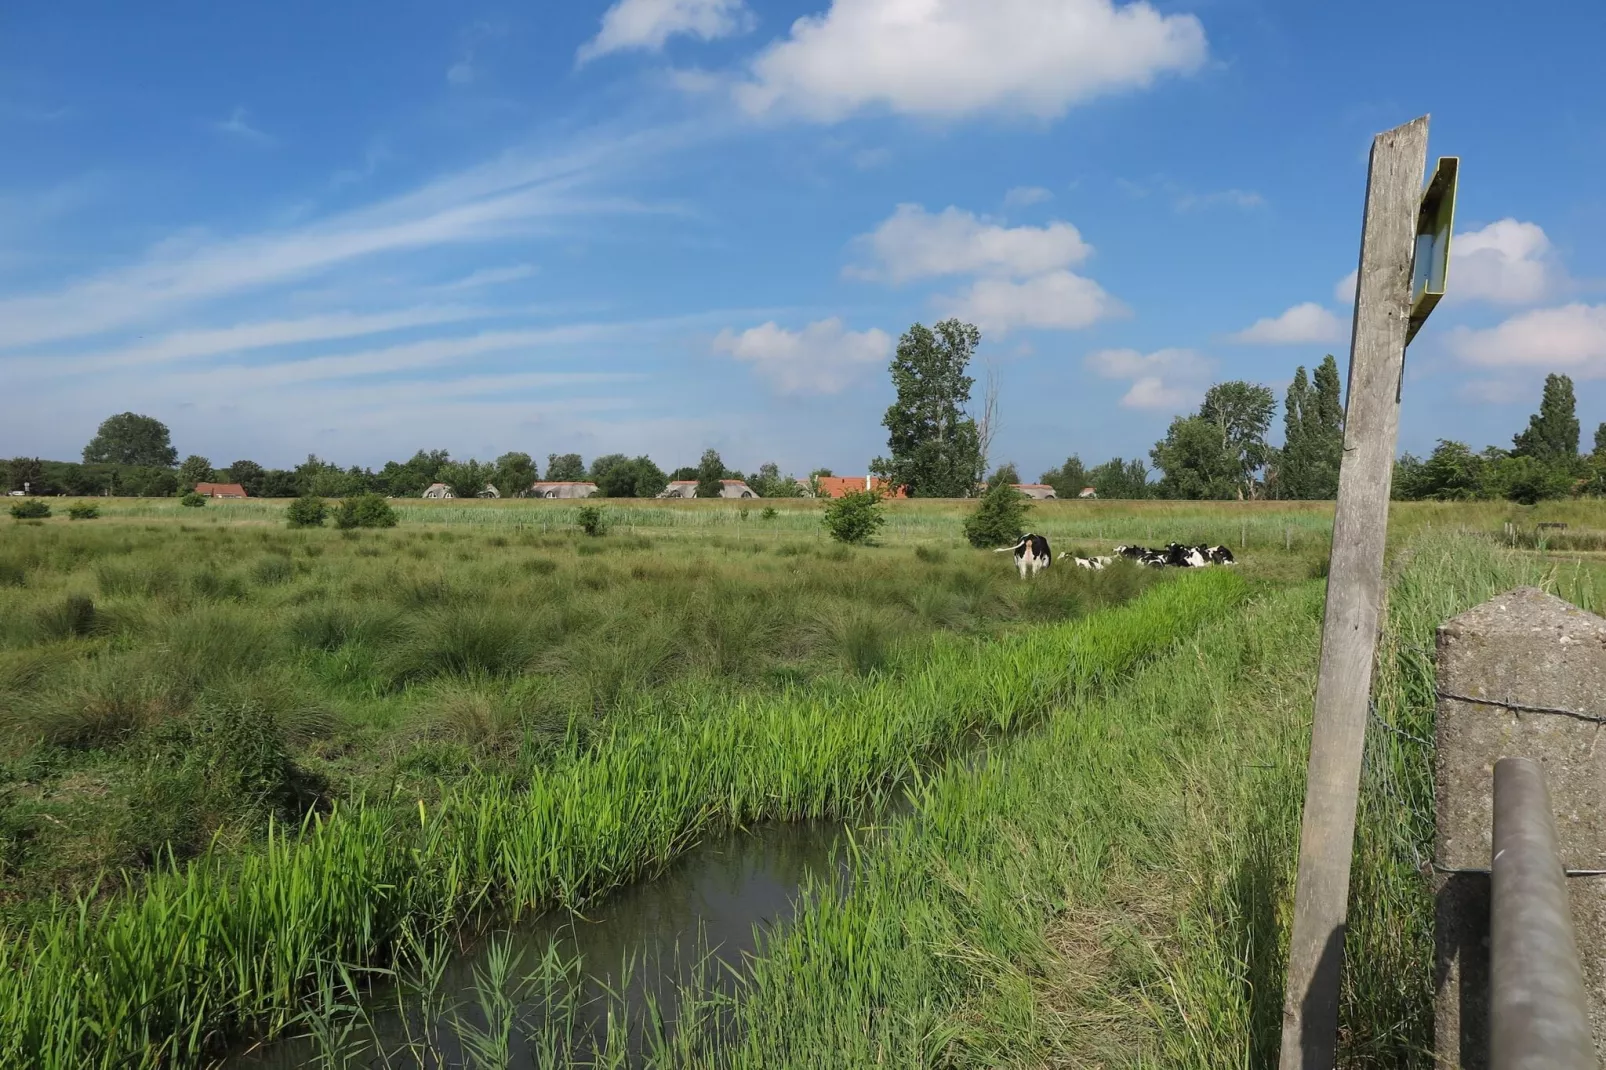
x=1529, y=649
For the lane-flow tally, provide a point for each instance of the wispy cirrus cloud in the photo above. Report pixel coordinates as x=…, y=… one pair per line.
x=520, y=194
x=236, y=126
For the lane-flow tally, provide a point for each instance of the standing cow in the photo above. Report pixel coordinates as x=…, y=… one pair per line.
x=1031, y=554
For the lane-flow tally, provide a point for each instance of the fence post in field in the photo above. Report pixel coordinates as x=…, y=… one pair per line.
x=1354, y=596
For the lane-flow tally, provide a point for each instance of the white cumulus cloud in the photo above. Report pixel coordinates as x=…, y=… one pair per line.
x=1569, y=339
x=648, y=24
x=1165, y=379
x=1344, y=289
x=1304, y=323
x=913, y=244
x=1507, y=262
x=1059, y=300
x=822, y=358
x=954, y=58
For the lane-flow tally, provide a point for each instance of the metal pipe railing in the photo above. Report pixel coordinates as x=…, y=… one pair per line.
x=1538, y=1011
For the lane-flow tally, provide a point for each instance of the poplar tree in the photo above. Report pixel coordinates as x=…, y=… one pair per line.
x=1552, y=433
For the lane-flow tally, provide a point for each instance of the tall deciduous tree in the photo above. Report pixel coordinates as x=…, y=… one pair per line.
x=1552, y=432
x=565, y=468
x=710, y=472
x=1293, y=461
x=1241, y=413
x=129, y=438
x=1118, y=478
x=1068, y=479
x=195, y=469
x=1313, y=435
x=1324, y=431
x=249, y=475
x=1194, y=463
x=936, y=447
x=515, y=472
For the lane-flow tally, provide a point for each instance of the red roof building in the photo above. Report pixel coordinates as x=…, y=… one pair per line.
x=837, y=486
x=220, y=490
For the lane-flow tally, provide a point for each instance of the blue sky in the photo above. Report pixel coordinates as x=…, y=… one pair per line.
x=653, y=226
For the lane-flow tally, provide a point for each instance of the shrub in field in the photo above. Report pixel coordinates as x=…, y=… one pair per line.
x=30, y=509
x=854, y=518
x=769, y=513
x=365, y=511
x=1000, y=517
x=307, y=512
x=592, y=520
x=83, y=511
x=192, y=500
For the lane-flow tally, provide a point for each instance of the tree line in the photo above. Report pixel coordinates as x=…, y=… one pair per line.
x=937, y=449
x=133, y=455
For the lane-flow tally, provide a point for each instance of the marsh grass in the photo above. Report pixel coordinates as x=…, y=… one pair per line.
x=120, y=628
x=236, y=938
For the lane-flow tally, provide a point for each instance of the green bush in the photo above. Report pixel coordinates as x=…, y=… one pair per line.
x=1000, y=518
x=592, y=521
x=192, y=500
x=30, y=509
x=365, y=511
x=307, y=512
x=769, y=513
x=84, y=511
x=854, y=518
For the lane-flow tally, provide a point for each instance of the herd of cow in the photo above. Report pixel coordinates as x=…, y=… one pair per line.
x=1032, y=554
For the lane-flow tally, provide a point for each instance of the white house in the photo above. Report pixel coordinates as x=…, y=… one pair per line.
x=1088, y=492
x=438, y=491
x=1040, y=491
x=687, y=488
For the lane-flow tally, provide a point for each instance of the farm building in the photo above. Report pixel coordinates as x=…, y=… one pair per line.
x=220, y=490
x=687, y=488
x=489, y=492
x=837, y=486
x=563, y=489
x=1088, y=492
x=438, y=491
x=1040, y=491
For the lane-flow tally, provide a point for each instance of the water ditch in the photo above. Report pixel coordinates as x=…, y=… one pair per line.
x=599, y=987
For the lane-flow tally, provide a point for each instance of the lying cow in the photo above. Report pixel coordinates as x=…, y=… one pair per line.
x=1031, y=554
x=1176, y=555
x=1096, y=564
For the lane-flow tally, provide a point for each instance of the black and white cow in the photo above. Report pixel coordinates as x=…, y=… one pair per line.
x=1031, y=554
x=1179, y=556
x=1095, y=564
x=1218, y=555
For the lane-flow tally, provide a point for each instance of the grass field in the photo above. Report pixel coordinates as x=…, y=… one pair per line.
x=259, y=758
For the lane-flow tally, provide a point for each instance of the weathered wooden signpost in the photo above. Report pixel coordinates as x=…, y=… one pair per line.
x=1405, y=246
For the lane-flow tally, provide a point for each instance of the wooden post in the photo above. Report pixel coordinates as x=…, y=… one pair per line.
x=1354, y=597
